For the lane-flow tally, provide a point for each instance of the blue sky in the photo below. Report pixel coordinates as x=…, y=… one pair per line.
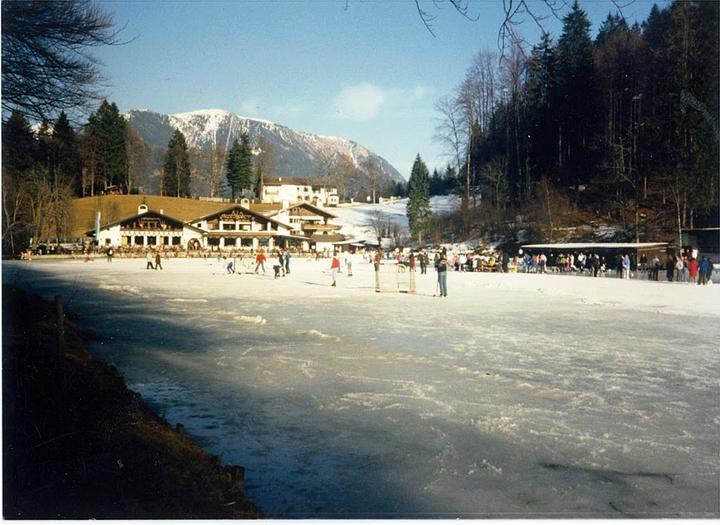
x=364, y=70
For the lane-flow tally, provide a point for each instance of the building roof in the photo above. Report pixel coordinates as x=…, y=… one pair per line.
x=266, y=208
x=148, y=213
x=332, y=237
x=304, y=204
x=595, y=245
x=244, y=209
x=294, y=181
x=117, y=207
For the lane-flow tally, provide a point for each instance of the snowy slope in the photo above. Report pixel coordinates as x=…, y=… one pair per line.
x=357, y=219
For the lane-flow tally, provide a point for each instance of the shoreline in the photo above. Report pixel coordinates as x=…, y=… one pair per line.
x=78, y=444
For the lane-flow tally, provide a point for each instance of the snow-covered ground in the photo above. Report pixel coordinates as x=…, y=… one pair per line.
x=518, y=395
x=358, y=220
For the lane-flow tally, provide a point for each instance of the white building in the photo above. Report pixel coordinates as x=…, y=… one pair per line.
x=291, y=189
x=301, y=226
x=237, y=227
x=311, y=223
x=149, y=229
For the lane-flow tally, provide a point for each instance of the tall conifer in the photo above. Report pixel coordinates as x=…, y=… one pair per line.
x=418, y=206
x=176, y=168
x=232, y=167
x=577, y=100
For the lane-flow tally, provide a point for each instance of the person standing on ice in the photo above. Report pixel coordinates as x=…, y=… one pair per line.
x=693, y=267
x=334, y=268
x=158, y=261
x=281, y=262
x=260, y=262
x=376, y=264
x=626, y=266
x=441, y=266
x=669, y=268
x=287, y=261
x=705, y=271
x=411, y=269
x=543, y=262
x=149, y=260
x=349, y=263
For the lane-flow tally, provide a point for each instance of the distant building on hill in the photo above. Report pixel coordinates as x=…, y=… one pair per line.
x=292, y=189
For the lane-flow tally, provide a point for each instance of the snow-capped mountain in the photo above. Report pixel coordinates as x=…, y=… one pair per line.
x=297, y=154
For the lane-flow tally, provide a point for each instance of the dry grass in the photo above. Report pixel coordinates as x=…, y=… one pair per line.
x=116, y=207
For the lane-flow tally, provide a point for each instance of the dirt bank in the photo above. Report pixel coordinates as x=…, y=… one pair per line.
x=78, y=444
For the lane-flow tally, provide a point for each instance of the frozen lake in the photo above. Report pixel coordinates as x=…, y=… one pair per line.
x=516, y=396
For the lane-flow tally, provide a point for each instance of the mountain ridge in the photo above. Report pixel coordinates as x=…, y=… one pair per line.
x=297, y=153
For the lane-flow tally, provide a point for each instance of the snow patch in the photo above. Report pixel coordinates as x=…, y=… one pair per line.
x=258, y=319
x=318, y=334
x=122, y=288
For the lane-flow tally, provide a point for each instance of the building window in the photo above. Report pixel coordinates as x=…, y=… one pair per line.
x=176, y=241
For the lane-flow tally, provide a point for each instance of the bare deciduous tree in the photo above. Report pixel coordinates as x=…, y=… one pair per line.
x=45, y=65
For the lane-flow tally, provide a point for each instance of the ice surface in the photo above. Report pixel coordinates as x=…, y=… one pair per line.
x=516, y=396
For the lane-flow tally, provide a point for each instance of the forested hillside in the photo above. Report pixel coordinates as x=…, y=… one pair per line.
x=622, y=129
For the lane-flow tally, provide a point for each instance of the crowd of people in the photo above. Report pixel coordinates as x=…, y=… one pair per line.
x=679, y=268
x=686, y=267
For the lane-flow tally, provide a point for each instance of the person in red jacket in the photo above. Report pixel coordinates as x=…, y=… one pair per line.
x=693, y=266
x=260, y=262
x=334, y=268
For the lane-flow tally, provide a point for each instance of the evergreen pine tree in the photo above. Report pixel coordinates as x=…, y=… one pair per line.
x=418, y=206
x=450, y=181
x=176, y=168
x=65, y=158
x=258, y=181
x=106, y=130
x=232, y=166
x=245, y=164
x=542, y=120
x=18, y=146
x=577, y=97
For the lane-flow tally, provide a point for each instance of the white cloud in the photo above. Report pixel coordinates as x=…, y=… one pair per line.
x=359, y=103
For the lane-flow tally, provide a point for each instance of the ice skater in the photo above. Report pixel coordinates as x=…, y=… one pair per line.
x=287, y=261
x=334, y=268
x=411, y=268
x=376, y=263
x=158, y=261
x=441, y=267
x=149, y=261
x=230, y=266
x=260, y=262
x=280, y=265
